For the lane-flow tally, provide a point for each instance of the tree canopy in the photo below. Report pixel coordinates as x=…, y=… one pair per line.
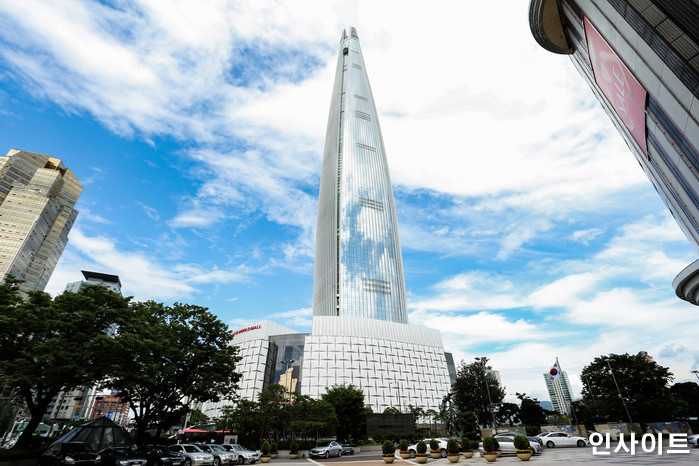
x=348, y=402
x=48, y=345
x=643, y=383
x=160, y=358
x=476, y=390
x=171, y=356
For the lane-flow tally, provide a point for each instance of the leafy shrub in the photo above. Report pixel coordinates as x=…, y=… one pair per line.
x=403, y=445
x=294, y=447
x=265, y=447
x=274, y=447
x=496, y=443
x=452, y=447
x=521, y=442
x=434, y=444
x=421, y=447
x=488, y=444
x=465, y=443
x=388, y=448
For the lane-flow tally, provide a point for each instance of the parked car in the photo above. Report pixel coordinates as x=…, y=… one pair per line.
x=121, y=456
x=442, y=447
x=560, y=439
x=69, y=453
x=693, y=440
x=193, y=455
x=160, y=455
x=507, y=442
x=347, y=449
x=326, y=450
x=221, y=455
x=244, y=455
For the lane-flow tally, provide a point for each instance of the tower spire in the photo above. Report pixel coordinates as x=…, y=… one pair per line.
x=358, y=266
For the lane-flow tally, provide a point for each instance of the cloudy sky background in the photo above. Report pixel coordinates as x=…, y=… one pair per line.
x=529, y=232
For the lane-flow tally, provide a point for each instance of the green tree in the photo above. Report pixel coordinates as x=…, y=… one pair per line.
x=507, y=414
x=309, y=417
x=169, y=357
x=391, y=410
x=643, y=383
x=530, y=412
x=196, y=417
x=348, y=401
x=245, y=419
x=685, y=397
x=477, y=390
x=48, y=345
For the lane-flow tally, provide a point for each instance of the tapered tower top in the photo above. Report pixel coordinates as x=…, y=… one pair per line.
x=358, y=265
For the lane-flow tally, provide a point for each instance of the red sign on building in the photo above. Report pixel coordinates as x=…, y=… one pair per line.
x=619, y=86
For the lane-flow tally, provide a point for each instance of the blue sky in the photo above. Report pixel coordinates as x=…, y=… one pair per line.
x=528, y=230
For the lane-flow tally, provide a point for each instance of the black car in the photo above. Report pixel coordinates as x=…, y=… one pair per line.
x=159, y=455
x=122, y=456
x=347, y=449
x=75, y=453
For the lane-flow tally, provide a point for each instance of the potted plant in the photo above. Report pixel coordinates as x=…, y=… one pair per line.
x=403, y=446
x=435, y=452
x=524, y=451
x=421, y=448
x=489, y=452
x=389, y=451
x=453, y=450
x=294, y=450
x=264, y=449
x=273, y=447
x=497, y=447
x=466, y=447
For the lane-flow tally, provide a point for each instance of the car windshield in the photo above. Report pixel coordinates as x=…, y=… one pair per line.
x=323, y=444
x=217, y=448
x=76, y=448
x=191, y=448
x=158, y=450
x=238, y=447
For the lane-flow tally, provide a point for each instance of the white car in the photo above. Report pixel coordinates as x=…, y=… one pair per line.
x=244, y=455
x=693, y=440
x=507, y=443
x=326, y=450
x=442, y=447
x=560, y=439
x=193, y=454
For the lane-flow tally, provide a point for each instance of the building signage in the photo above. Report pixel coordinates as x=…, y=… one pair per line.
x=246, y=329
x=619, y=86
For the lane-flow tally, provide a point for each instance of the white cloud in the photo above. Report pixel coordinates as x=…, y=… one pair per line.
x=142, y=276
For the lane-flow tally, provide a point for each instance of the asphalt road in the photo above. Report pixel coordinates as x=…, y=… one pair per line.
x=555, y=456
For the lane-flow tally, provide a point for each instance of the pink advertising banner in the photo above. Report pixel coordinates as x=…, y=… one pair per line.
x=618, y=85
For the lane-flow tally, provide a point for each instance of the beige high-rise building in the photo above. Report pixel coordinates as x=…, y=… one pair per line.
x=37, y=200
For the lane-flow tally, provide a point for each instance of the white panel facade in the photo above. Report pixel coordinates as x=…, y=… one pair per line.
x=393, y=364
x=253, y=348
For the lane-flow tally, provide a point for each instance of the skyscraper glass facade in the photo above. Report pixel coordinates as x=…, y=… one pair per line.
x=358, y=264
x=37, y=200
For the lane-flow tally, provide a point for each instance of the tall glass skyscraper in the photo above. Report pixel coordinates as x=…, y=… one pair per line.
x=360, y=334
x=358, y=264
x=37, y=210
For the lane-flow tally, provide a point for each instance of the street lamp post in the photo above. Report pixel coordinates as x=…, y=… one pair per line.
x=487, y=389
x=619, y=391
x=696, y=373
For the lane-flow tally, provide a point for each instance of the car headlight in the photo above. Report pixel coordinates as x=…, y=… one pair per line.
x=98, y=458
x=123, y=462
x=69, y=460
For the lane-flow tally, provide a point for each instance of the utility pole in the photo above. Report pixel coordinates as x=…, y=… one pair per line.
x=619, y=391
